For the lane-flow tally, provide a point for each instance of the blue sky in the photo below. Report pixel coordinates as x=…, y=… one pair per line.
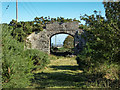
x=53, y=0
x=27, y=11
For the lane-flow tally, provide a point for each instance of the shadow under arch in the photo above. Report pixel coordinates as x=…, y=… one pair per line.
x=61, y=53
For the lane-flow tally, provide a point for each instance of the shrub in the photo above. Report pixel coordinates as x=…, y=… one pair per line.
x=103, y=42
x=39, y=58
x=16, y=69
x=103, y=45
x=105, y=75
x=19, y=34
x=110, y=71
x=17, y=63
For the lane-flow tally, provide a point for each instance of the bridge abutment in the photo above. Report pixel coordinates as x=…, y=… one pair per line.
x=41, y=40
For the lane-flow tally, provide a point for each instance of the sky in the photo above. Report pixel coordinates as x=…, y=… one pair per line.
x=27, y=11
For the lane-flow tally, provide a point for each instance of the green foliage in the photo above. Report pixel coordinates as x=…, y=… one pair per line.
x=22, y=29
x=110, y=71
x=16, y=68
x=46, y=20
x=112, y=11
x=17, y=63
x=103, y=39
x=103, y=44
x=19, y=34
x=105, y=75
x=40, y=59
x=68, y=42
x=84, y=27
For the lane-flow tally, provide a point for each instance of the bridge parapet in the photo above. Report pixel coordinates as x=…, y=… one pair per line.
x=68, y=26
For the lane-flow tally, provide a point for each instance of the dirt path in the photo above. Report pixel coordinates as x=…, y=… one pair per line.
x=60, y=73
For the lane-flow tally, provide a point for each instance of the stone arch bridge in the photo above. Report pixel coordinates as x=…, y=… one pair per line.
x=41, y=40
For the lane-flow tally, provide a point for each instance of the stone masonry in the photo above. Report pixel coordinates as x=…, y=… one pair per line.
x=41, y=40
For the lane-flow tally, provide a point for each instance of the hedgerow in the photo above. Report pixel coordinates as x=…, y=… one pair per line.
x=103, y=44
x=18, y=63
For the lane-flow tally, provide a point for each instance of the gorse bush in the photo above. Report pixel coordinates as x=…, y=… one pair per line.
x=40, y=59
x=19, y=34
x=110, y=71
x=105, y=75
x=17, y=63
x=103, y=43
x=102, y=36
x=16, y=68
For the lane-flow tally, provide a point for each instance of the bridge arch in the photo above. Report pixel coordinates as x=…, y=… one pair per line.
x=61, y=33
x=61, y=38
x=41, y=40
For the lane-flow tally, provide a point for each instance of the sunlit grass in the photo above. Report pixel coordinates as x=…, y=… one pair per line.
x=60, y=73
x=64, y=72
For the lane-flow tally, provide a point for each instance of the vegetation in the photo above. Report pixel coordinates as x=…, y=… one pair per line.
x=22, y=29
x=66, y=49
x=101, y=53
x=99, y=61
x=68, y=42
x=62, y=72
x=15, y=73
x=40, y=59
x=17, y=63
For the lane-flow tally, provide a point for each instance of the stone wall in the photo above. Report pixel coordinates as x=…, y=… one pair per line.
x=68, y=26
x=41, y=40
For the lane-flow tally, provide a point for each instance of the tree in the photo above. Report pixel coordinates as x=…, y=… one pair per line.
x=22, y=29
x=68, y=42
x=102, y=51
x=103, y=34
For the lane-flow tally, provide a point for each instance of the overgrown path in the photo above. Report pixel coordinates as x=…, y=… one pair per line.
x=60, y=73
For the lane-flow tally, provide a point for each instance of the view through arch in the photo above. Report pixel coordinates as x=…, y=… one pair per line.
x=62, y=44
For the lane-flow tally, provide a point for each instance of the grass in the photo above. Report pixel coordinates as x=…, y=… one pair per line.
x=60, y=73
x=62, y=49
x=63, y=72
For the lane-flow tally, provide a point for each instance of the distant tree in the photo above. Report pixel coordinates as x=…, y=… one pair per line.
x=68, y=42
x=13, y=23
x=22, y=29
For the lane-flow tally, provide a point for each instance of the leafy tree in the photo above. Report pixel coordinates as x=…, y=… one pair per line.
x=112, y=10
x=68, y=42
x=103, y=35
x=103, y=47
